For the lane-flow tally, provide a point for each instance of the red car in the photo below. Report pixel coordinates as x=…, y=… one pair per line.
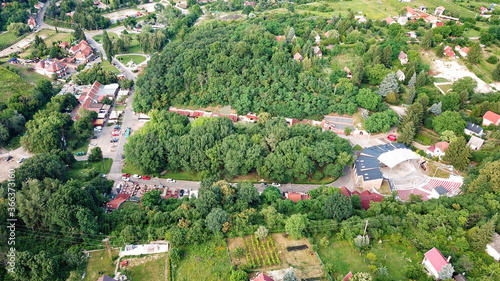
x=391, y=137
x=126, y=175
x=146, y=178
x=116, y=135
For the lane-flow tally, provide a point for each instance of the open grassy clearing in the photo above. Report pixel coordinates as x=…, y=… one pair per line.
x=305, y=262
x=111, y=35
x=208, y=262
x=100, y=261
x=27, y=74
x=11, y=83
x=445, y=88
x=135, y=58
x=56, y=37
x=135, y=45
x=6, y=39
x=150, y=267
x=128, y=204
x=81, y=169
x=394, y=255
x=108, y=66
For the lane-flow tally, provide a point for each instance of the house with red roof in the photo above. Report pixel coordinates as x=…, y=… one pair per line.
x=431, y=19
x=281, y=39
x=434, y=262
x=117, y=201
x=438, y=24
x=82, y=52
x=49, y=67
x=410, y=12
x=483, y=10
x=348, y=276
x=349, y=73
x=366, y=197
x=448, y=51
x=64, y=45
x=389, y=20
x=31, y=23
x=298, y=57
x=491, y=118
x=439, y=11
x=296, y=197
x=262, y=277
x=249, y=3
x=438, y=149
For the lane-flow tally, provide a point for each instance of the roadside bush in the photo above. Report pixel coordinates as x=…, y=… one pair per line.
x=492, y=59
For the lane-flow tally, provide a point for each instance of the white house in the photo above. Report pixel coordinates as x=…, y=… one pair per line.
x=491, y=118
x=403, y=58
x=402, y=20
x=400, y=75
x=439, y=11
x=438, y=149
x=493, y=249
x=473, y=129
x=475, y=143
x=434, y=262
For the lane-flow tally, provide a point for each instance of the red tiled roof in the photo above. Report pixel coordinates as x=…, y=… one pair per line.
x=367, y=197
x=348, y=276
x=436, y=259
x=345, y=191
x=442, y=145
x=296, y=197
x=198, y=113
x=410, y=10
x=64, y=44
x=491, y=116
x=439, y=24
x=233, y=117
x=281, y=38
x=389, y=20
x=119, y=199
x=465, y=50
x=262, y=277
x=402, y=55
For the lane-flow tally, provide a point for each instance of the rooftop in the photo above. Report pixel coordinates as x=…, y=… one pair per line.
x=436, y=259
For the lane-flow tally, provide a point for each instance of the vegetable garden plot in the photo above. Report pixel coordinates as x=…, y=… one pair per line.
x=261, y=253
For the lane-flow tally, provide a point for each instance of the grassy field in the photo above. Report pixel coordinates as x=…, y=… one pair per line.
x=27, y=74
x=128, y=204
x=135, y=45
x=83, y=146
x=445, y=87
x=6, y=39
x=208, y=261
x=135, y=58
x=344, y=258
x=441, y=80
x=61, y=36
x=100, y=261
x=14, y=143
x=129, y=169
x=182, y=175
x=111, y=35
x=11, y=83
x=151, y=267
x=81, y=169
x=108, y=66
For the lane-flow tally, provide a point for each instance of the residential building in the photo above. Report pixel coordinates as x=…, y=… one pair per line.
x=434, y=262
x=117, y=201
x=49, y=67
x=410, y=12
x=462, y=51
x=411, y=34
x=64, y=45
x=317, y=51
x=82, y=52
x=360, y=19
x=439, y=11
x=367, y=173
x=431, y=19
x=400, y=75
x=317, y=39
x=473, y=129
x=438, y=24
x=423, y=9
x=493, y=249
x=31, y=23
x=366, y=197
x=389, y=20
x=475, y=143
x=249, y=3
x=296, y=197
x=298, y=57
x=491, y=118
x=281, y=39
x=403, y=58
x=448, y=52
x=483, y=10
x=438, y=149
x=262, y=277
x=402, y=20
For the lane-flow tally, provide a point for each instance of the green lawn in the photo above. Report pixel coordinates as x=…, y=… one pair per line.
x=151, y=270
x=27, y=74
x=126, y=58
x=441, y=80
x=11, y=83
x=344, y=257
x=127, y=205
x=129, y=169
x=61, y=36
x=83, y=146
x=100, y=261
x=6, y=39
x=81, y=169
x=182, y=175
x=120, y=107
x=108, y=66
x=14, y=143
x=445, y=87
x=206, y=262
x=135, y=46
x=111, y=35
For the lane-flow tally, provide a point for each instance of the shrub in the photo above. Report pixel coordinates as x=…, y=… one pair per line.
x=238, y=252
x=492, y=59
x=261, y=233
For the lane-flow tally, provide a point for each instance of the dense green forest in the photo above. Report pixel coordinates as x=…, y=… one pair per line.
x=215, y=147
x=15, y=12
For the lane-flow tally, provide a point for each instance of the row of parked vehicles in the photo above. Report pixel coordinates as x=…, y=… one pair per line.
x=8, y=158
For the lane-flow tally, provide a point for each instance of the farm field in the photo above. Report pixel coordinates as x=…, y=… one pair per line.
x=272, y=254
x=11, y=83
x=344, y=257
x=207, y=262
x=100, y=261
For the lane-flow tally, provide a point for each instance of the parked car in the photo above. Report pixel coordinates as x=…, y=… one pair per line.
x=137, y=176
x=8, y=158
x=123, y=156
x=20, y=160
x=181, y=193
x=276, y=184
x=94, y=137
x=146, y=178
x=391, y=137
x=263, y=184
x=93, y=144
x=102, y=175
x=125, y=179
x=117, y=127
x=116, y=135
x=126, y=175
x=170, y=180
x=97, y=130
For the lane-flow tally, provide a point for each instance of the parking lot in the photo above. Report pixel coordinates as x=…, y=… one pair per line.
x=13, y=163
